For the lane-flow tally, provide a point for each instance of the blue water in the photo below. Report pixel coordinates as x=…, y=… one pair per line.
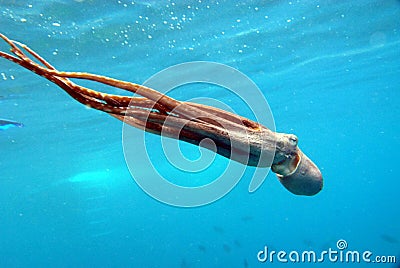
x=330, y=72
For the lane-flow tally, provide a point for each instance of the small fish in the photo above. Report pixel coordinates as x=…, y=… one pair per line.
x=184, y=264
x=237, y=243
x=247, y=218
x=389, y=239
x=308, y=243
x=218, y=229
x=6, y=124
x=202, y=248
x=245, y=263
x=227, y=248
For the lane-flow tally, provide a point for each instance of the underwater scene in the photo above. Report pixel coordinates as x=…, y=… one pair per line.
x=251, y=134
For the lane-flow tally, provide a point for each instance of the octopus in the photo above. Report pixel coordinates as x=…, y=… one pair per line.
x=233, y=136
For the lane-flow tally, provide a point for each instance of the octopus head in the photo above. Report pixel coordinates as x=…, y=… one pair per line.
x=296, y=171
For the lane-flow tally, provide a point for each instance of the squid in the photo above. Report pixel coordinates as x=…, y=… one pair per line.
x=233, y=136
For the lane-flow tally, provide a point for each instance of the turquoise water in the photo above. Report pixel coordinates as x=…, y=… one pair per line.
x=329, y=71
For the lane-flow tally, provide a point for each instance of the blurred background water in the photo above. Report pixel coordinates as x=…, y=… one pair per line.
x=329, y=70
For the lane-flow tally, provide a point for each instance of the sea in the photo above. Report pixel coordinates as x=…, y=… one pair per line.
x=329, y=71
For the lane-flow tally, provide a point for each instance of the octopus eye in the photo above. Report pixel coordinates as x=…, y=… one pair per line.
x=293, y=140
